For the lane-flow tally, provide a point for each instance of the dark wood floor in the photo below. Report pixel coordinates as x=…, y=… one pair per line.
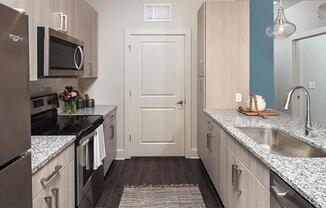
x=154, y=171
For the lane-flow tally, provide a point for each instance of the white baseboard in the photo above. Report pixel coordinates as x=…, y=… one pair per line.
x=193, y=154
x=120, y=154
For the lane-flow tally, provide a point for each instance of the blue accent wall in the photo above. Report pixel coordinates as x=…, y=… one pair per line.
x=261, y=50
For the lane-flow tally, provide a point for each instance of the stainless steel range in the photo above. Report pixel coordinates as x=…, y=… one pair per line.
x=46, y=121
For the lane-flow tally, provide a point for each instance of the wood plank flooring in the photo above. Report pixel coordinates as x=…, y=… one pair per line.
x=155, y=171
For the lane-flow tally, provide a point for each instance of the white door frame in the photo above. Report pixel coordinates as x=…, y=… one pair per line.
x=188, y=89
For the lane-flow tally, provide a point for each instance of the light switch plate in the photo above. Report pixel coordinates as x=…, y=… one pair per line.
x=311, y=85
x=238, y=97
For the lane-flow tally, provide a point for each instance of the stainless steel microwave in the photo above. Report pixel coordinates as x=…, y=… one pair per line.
x=58, y=55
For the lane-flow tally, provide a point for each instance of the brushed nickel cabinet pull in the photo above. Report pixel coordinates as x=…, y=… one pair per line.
x=112, y=131
x=55, y=192
x=236, y=172
x=57, y=168
x=48, y=201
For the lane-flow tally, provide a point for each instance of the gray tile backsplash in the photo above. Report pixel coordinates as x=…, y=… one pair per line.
x=51, y=85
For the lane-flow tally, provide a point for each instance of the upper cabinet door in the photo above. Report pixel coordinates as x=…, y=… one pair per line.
x=201, y=40
x=93, y=38
x=88, y=32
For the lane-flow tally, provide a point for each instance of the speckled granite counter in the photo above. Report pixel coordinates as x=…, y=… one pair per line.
x=103, y=110
x=45, y=148
x=305, y=175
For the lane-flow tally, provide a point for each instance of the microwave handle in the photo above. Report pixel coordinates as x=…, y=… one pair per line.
x=80, y=49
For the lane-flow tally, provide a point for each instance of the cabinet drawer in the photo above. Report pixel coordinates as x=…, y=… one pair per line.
x=254, y=165
x=63, y=159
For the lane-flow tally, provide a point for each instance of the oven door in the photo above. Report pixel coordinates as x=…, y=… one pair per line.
x=85, y=171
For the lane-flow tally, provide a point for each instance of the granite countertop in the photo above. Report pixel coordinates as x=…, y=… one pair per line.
x=306, y=175
x=103, y=110
x=45, y=148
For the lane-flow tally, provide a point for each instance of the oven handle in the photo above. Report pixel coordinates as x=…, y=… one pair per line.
x=86, y=139
x=80, y=49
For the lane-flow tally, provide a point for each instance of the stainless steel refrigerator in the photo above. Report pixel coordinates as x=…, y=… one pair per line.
x=15, y=136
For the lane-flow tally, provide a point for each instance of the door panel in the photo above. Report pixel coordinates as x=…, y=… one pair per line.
x=16, y=184
x=157, y=86
x=15, y=110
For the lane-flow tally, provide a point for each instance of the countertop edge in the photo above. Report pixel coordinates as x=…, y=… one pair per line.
x=53, y=155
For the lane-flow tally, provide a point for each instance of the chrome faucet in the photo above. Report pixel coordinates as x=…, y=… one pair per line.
x=308, y=126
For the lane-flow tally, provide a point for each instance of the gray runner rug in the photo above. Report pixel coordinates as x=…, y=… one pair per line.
x=162, y=196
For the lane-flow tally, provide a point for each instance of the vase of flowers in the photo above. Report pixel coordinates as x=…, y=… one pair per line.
x=70, y=97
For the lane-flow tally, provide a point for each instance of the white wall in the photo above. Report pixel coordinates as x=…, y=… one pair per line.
x=313, y=69
x=304, y=16
x=114, y=17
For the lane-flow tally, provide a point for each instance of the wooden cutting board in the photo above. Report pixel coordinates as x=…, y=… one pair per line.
x=263, y=114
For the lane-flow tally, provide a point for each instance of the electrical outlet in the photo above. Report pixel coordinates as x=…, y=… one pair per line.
x=238, y=97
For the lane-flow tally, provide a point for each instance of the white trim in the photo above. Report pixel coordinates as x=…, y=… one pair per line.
x=189, y=152
x=308, y=34
x=120, y=154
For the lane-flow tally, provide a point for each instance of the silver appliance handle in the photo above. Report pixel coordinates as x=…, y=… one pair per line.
x=56, y=170
x=112, y=131
x=61, y=28
x=65, y=28
x=80, y=49
x=86, y=139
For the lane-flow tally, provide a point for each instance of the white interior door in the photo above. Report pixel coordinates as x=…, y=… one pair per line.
x=156, y=99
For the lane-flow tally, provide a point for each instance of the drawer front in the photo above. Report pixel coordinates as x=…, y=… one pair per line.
x=51, y=170
x=254, y=165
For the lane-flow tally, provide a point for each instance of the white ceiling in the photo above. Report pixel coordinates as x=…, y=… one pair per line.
x=286, y=4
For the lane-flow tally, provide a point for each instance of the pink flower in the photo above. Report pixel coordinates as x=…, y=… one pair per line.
x=73, y=94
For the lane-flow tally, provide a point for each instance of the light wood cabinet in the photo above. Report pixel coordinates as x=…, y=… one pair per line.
x=110, y=138
x=223, y=71
x=201, y=38
x=88, y=32
x=244, y=188
x=222, y=189
x=223, y=51
x=220, y=153
x=59, y=188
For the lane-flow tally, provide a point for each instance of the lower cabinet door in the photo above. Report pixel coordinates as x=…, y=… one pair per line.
x=60, y=191
x=223, y=170
x=64, y=190
x=244, y=189
x=45, y=199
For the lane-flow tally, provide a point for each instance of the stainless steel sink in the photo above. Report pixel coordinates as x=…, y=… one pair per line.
x=281, y=143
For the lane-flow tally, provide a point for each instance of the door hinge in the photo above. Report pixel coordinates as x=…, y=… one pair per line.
x=129, y=46
x=129, y=137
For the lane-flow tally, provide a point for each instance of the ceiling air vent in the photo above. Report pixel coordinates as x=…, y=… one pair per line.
x=157, y=12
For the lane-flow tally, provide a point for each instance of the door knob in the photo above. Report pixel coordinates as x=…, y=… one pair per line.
x=180, y=102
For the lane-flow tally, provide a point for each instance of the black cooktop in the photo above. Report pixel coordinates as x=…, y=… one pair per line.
x=65, y=125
